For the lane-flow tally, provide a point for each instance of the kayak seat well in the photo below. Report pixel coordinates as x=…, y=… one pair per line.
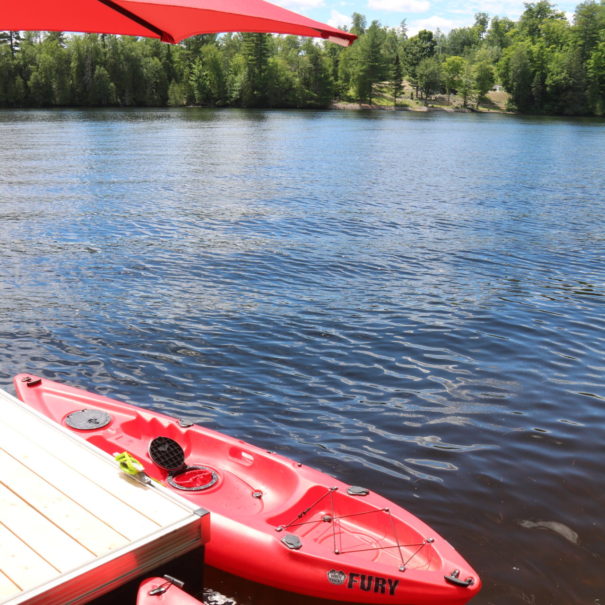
x=235, y=460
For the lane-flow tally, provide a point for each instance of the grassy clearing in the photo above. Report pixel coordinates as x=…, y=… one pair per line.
x=495, y=101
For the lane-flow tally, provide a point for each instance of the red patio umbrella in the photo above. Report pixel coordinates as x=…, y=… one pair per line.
x=169, y=20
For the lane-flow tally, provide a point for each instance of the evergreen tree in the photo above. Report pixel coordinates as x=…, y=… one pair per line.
x=546, y=64
x=86, y=56
x=359, y=24
x=315, y=77
x=12, y=40
x=255, y=51
x=417, y=48
x=596, y=79
x=396, y=79
x=370, y=65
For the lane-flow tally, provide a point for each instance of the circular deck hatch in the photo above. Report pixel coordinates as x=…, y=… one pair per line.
x=193, y=479
x=87, y=419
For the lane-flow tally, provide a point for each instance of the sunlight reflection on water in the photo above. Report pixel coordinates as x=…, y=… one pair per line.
x=412, y=303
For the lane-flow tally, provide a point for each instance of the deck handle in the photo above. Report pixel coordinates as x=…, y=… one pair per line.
x=454, y=578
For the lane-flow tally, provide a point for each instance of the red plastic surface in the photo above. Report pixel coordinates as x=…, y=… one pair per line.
x=170, y=20
x=352, y=547
x=172, y=595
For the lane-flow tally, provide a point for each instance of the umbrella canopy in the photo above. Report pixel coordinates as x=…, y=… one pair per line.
x=169, y=20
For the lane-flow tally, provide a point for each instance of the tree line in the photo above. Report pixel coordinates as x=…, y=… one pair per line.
x=547, y=64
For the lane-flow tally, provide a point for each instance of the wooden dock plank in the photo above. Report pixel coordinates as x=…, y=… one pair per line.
x=80, y=487
x=147, y=502
x=8, y=588
x=21, y=564
x=42, y=536
x=72, y=526
x=76, y=521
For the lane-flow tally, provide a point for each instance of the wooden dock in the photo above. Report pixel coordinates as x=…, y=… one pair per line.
x=72, y=525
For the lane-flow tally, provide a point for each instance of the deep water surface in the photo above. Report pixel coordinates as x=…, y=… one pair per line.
x=413, y=303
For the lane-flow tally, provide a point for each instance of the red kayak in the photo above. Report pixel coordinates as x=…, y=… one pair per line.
x=273, y=520
x=164, y=591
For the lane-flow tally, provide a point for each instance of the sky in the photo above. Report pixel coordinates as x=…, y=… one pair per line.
x=418, y=14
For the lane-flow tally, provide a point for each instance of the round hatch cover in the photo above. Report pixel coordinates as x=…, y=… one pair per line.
x=88, y=419
x=167, y=454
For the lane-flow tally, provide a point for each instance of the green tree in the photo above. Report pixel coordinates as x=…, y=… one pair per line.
x=596, y=79
x=12, y=40
x=156, y=82
x=371, y=66
x=333, y=54
x=484, y=79
x=177, y=95
x=429, y=77
x=284, y=88
x=480, y=26
x=86, y=56
x=255, y=52
x=103, y=90
x=589, y=27
x=453, y=68
x=315, y=77
x=396, y=79
x=49, y=78
x=566, y=83
x=534, y=17
x=359, y=24
x=498, y=34
x=460, y=41
x=216, y=74
x=416, y=49
x=12, y=86
x=517, y=75
x=467, y=84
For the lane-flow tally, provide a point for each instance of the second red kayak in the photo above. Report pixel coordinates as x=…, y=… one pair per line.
x=164, y=591
x=273, y=520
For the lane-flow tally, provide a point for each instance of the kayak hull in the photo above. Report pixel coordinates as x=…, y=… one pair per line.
x=274, y=520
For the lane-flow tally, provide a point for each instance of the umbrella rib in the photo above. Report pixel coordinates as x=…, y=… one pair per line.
x=164, y=36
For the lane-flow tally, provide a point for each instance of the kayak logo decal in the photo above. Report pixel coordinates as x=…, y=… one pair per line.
x=360, y=581
x=337, y=577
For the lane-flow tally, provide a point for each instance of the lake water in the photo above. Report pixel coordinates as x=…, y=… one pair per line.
x=411, y=302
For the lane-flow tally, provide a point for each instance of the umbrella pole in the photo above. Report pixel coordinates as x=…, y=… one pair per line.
x=164, y=36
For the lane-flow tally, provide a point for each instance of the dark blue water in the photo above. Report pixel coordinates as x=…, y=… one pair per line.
x=414, y=303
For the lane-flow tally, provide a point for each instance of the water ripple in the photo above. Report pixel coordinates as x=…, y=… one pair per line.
x=412, y=303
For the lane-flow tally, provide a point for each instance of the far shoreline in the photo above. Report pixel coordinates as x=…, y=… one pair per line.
x=495, y=101
x=350, y=106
